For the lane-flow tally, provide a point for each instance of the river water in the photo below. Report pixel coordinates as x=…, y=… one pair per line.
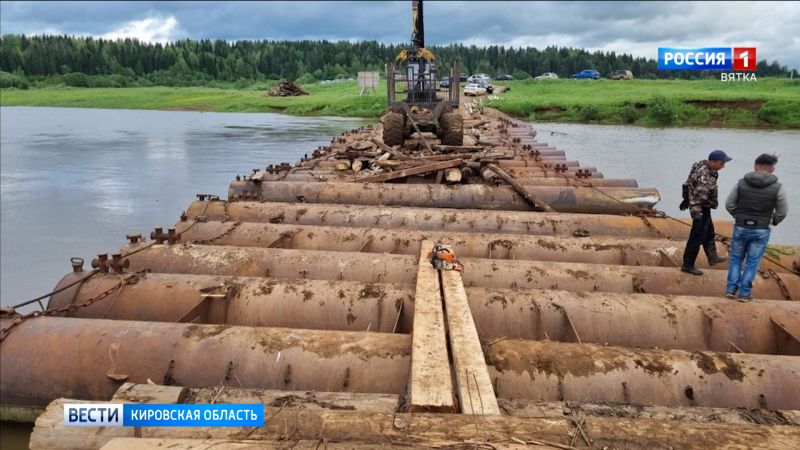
x=74, y=182
x=662, y=157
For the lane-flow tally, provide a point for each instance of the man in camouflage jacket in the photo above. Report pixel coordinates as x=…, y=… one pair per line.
x=700, y=197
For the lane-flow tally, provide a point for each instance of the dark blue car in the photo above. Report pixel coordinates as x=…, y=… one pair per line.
x=587, y=74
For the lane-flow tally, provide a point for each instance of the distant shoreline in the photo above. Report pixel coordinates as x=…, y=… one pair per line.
x=765, y=104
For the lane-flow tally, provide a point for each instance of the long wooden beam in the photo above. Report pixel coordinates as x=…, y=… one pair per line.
x=431, y=386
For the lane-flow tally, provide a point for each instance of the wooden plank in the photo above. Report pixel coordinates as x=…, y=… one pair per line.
x=431, y=387
x=427, y=429
x=411, y=171
x=389, y=150
x=475, y=391
x=150, y=393
x=537, y=203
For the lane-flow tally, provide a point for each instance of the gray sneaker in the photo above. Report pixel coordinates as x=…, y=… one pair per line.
x=730, y=295
x=745, y=298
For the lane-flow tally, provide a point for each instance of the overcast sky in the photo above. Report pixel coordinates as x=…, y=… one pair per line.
x=625, y=27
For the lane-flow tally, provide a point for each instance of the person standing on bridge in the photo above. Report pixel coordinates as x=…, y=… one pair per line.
x=756, y=202
x=700, y=197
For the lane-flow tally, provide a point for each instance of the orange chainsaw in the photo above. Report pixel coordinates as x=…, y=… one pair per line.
x=443, y=258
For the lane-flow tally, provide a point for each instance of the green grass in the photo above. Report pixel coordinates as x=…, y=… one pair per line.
x=767, y=103
x=335, y=99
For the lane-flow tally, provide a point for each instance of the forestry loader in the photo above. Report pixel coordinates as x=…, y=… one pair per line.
x=424, y=108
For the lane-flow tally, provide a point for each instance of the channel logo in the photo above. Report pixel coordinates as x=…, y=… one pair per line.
x=707, y=58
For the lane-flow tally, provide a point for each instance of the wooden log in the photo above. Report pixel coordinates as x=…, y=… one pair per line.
x=151, y=393
x=430, y=387
x=558, y=410
x=418, y=170
x=129, y=443
x=452, y=176
x=427, y=428
x=537, y=203
x=389, y=150
x=475, y=391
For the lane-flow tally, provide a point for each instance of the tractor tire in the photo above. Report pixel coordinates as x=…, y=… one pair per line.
x=452, y=126
x=393, y=129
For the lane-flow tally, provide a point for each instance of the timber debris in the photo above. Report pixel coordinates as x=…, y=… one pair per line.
x=286, y=88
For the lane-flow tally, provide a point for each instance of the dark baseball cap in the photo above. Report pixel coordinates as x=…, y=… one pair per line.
x=719, y=155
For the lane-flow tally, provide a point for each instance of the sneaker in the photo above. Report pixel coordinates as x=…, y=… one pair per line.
x=745, y=298
x=730, y=295
x=692, y=270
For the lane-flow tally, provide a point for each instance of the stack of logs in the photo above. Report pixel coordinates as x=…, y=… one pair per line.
x=286, y=89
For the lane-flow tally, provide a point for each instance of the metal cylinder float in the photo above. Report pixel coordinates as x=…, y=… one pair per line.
x=596, y=250
x=467, y=220
x=262, y=302
x=644, y=320
x=37, y=367
x=389, y=268
x=563, y=199
x=554, y=371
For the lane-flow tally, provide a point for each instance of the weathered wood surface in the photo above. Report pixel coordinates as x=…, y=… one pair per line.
x=475, y=392
x=430, y=388
x=127, y=443
x=147, y=393
x=411, y=171
x=439, y=429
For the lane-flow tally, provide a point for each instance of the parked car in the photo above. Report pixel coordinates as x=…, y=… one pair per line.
x=621, y=75
x=463, y=77
x=479, y=76
x=445, y=82
x=505, y=77
x=486, y=85
x=587, y=74
x=547, y=76
x=474, y=89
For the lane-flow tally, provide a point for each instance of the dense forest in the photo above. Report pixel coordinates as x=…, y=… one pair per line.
x=84, y=61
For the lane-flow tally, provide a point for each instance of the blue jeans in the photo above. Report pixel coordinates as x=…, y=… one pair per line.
x=750, y=243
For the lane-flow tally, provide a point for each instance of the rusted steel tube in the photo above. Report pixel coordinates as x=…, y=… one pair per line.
x=644, y=320
x=553, y=371
x=468, y=220
x=596, y=250
x=312, y=304
x=563, y=199
x=521, y=172
x=555, y=180
x=275, y=263
x=522, y=163
x=388, y=268
x=38, y=367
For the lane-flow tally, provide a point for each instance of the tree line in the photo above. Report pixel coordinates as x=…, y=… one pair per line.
x=70, y=60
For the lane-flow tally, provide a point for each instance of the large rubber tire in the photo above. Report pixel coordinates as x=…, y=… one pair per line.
x=393, y=129
x=452, y=126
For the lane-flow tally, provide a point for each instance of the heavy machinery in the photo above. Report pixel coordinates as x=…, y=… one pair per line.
x=425, y=108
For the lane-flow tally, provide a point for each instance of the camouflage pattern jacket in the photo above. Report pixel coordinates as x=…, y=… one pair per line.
x=701, y=186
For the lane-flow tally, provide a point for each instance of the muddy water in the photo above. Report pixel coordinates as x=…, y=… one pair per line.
x=662, y=158
x=73, y=182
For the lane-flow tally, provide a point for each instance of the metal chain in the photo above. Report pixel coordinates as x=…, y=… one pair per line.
x=132, y=278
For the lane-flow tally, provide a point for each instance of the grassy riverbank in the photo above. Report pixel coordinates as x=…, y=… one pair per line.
x=767, y=103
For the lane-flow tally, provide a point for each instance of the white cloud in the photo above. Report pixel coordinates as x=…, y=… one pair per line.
x=152, y=29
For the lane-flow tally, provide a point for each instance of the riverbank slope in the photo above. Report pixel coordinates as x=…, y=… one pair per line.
x=766, y=103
